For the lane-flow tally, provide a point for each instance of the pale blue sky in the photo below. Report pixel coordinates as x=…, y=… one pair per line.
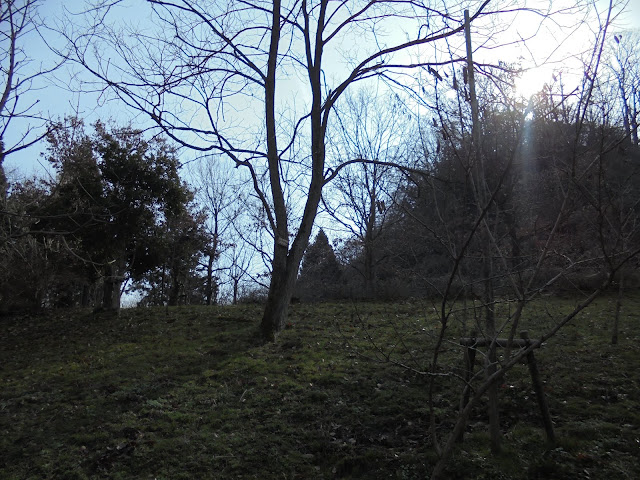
x=55, y=101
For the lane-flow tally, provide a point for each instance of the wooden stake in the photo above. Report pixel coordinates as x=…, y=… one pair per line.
x=538, y=388
x=469, y=362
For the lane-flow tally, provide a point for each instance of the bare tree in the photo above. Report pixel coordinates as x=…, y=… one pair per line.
x=577, y=197
x=375, y=129
x=227, y=77
x=615, y=111
x=624, y=63
x=221, y=195
x=541, y=207
x=19, y=73
x=239, y=258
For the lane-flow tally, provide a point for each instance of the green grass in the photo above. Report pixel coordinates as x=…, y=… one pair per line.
x=193, y=394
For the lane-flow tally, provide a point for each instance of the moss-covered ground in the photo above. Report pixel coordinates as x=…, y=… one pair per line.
x=191, y=393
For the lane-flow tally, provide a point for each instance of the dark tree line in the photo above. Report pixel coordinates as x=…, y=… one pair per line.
x=117, y=215
x=116, y=211
x=435, y=206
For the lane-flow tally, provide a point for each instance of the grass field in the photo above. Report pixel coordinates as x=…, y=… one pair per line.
x=190, y=393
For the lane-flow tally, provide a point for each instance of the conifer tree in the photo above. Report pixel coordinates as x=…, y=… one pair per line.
x=321, y=273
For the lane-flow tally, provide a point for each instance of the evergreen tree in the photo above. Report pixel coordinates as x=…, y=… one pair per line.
x=113, y=191
x=320, y=276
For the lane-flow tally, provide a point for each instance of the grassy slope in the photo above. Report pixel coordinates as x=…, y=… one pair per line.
x=191, y=394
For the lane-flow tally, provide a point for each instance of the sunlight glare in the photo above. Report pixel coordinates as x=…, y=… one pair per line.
x=531, y=82
x=547, y=47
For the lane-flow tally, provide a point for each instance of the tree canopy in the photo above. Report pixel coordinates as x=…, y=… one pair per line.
x=105, y=210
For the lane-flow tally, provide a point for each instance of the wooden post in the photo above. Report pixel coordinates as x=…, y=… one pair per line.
x=537, y=387
x=494, y=414
x=494, y=419
x=469, y=362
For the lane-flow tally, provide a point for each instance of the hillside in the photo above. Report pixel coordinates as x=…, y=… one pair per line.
x=189, y=393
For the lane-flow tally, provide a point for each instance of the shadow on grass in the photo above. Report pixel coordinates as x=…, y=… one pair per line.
x=191, y=393
x=79, y=389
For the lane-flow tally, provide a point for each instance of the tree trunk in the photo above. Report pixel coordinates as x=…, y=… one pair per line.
x=112, y=287
x=634, y=124
x=616, y=320
x=235, y=291
x=86, y=292
x=369, y=275
x=175, y=285
x=625, y=110
x=283, y=280
x=3, y=177
x=174, y=291
x=368, y=271
x=492, y=358
x=209, y=287
x=487, y=268
x=286, y=262
x=163, y=283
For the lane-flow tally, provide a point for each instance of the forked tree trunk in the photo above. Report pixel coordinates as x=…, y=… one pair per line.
x=286, y=261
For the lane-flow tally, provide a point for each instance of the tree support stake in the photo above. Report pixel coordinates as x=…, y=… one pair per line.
x=472, y=343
